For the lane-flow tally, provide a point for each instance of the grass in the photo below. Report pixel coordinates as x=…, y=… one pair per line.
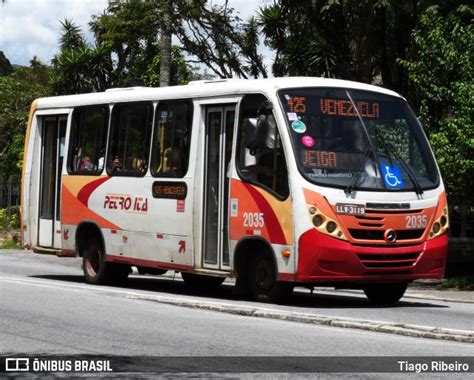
x=10, y=244
x=459, y=282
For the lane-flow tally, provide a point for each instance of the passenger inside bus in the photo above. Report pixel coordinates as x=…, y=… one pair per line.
x=85, y=164
x=175, y=161
x=115, y=165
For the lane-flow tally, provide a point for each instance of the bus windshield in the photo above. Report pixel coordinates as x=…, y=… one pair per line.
x=356, y=139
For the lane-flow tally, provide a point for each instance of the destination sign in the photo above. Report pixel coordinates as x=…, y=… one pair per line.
x=169, y=190
x=343, y=107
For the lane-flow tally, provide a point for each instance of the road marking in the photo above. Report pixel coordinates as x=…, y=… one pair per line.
x=261, y=312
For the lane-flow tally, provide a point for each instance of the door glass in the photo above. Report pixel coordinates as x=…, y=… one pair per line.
x=229, y=130
x=212, y=191
x=49, y=144
x=61, y=142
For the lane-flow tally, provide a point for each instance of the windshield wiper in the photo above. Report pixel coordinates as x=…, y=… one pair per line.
x=355, y=179
x=370, y=151
x=389, y=150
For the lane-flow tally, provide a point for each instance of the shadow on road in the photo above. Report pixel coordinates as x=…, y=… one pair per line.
x=298, y=299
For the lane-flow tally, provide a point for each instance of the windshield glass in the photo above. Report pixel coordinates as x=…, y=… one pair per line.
x=358, y=140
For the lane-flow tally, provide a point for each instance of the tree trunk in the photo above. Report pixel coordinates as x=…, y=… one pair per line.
x=165, y=46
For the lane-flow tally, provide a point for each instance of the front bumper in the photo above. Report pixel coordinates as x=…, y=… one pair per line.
x=324, y=259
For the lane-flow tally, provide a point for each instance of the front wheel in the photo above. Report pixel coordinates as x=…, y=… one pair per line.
x=385, y=294
x=263, y=281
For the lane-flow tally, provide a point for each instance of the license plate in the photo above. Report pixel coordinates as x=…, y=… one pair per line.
x=348, y=209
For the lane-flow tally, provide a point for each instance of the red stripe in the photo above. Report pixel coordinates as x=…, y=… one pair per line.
x=149, y=263
x=286, y=277
x=87, y=190
x=271, y=221
x=68, y=253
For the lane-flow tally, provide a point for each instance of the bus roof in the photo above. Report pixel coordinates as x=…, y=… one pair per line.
x=202, y=89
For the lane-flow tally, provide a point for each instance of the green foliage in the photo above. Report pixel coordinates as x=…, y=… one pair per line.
x=441, y=70
x=17, y=92
x=5, y=65
x=9, y=223
x=180, y=72
x=79, y=67
x=11, y=244
x=461, y=282
x=214, y=36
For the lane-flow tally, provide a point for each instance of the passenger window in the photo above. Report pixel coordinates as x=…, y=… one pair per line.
x=88, y=139
x=171, y=139
x=129, y=139
x=260, y=155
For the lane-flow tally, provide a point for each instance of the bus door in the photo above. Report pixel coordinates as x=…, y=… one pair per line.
x=218, y=149
x=53, y=134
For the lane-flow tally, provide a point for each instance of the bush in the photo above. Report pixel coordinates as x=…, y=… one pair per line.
x=9, y=223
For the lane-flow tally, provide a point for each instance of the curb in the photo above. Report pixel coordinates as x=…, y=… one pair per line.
x=414, y=293
x=374, y=326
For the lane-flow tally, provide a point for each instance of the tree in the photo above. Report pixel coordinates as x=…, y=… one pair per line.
x=165, y=43
x=347, y=39
x=129, y=31
x=79, y=67
x=180, y=71
x=441, y=73
x=216, y=38
x=5, y=65
x=17, y=92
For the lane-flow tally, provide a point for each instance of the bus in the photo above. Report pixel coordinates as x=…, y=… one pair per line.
x=277, y=183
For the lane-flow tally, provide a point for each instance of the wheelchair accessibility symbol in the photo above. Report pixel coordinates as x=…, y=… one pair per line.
x=392, y=176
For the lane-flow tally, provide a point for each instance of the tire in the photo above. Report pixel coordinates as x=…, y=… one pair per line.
x=263, y=282
x=385, y=294
x=201, y=282
x=99, y=272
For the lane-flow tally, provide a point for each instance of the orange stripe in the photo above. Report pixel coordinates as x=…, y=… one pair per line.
x=76, y=212
x=272, y=223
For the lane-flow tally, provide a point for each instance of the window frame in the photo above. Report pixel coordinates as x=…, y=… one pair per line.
x=190, y=115
x=111, y=173
x=281, y=197
x=72, y=141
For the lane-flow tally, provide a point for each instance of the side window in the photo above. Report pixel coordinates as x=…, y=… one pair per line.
x=172, y=138
x=260, y=156
x=129, y=139
x=88, y=139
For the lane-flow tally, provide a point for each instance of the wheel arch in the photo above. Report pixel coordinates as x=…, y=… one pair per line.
x=249, y=248
x=87, y=230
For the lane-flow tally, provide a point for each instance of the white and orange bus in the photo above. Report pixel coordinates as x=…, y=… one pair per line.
x=276, y=182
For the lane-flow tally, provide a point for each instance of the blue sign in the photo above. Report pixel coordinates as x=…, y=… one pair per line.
x=392, y=176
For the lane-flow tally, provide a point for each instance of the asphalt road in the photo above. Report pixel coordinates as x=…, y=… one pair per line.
x=46, y=308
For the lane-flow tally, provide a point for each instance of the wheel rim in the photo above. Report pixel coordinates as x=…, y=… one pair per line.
x=264, y=274
x=93, y=262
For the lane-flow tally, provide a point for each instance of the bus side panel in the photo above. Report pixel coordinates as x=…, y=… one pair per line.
x=254, y=212
x=137, y=228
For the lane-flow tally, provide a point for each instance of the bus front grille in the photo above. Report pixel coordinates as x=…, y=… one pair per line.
x=365, y=234
x=392, y=261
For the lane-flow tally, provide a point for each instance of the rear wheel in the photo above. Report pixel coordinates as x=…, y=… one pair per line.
x=385, y=294
x=201, y=282
x=263, y=281
x=97, y=271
